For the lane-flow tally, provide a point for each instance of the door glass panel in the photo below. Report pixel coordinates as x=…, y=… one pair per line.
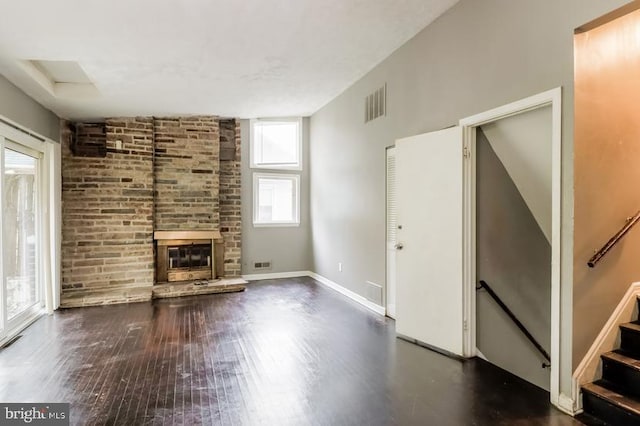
x=19, y=240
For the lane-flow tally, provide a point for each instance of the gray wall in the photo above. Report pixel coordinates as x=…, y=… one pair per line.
x=19, y=107
x=523, y=144
x=433, y=81
x=288, y=248
x=514, y=258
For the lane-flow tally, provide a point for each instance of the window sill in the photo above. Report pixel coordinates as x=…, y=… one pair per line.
x=276, y=167
x=276, y=225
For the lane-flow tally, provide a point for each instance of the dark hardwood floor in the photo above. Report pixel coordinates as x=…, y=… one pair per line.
x=284, y=352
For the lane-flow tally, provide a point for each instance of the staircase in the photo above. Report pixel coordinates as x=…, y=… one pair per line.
x=615, y=399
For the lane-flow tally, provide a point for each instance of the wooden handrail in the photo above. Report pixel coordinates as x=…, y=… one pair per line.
x=614, y=240
x=523, y=329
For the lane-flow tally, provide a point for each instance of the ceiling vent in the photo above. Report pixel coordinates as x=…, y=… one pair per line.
x=375, y=104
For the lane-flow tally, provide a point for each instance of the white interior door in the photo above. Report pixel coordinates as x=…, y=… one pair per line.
x=392, y=230
x=429, y=293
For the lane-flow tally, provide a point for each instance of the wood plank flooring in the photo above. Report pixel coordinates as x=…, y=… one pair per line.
x=284, y=352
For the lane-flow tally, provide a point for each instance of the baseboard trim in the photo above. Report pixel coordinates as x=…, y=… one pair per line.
x=481, y=355
x=567, y=405
x=607, y=340
x=346, y=292
x=276, y=275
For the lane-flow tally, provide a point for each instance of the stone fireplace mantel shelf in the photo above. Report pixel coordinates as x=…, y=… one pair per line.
x=188, y=235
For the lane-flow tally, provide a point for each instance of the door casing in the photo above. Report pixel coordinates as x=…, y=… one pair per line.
x=469, y=126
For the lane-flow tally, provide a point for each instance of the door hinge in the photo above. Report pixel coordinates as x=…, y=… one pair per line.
x=466, y=152
x=465, y=325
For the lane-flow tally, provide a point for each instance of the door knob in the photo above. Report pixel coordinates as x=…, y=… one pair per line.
x=399, y=246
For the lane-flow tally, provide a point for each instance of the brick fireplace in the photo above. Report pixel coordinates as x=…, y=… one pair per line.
x=147, y=201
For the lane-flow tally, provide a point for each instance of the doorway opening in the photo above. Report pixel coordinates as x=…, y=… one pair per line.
x=513, y=243
x=512, y=235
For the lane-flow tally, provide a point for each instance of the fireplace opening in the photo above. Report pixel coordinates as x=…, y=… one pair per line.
x=188, y=255
x=184, y=260
x=194, y=256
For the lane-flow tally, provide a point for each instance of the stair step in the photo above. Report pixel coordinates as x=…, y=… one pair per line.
x=601, y=401
x=630, y=338
x=633, y=325
x=589, y=420
x=623, y=371
x=623, y=356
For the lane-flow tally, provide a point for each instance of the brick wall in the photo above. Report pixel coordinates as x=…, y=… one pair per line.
x=107, y=209
x=230, y=187
x=187, y=171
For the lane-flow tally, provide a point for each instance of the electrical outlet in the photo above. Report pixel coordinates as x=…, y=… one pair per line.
x=118, y=144
x=339, y=266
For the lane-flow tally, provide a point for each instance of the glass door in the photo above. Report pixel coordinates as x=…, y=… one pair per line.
x=21, y=289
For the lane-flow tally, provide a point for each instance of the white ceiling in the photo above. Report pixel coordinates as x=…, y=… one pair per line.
x=236, y=58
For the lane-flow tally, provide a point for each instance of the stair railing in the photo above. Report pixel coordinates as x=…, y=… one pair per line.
x=518, y=323
x=631, y=221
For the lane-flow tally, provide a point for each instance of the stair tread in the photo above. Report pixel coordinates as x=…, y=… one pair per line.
x=602, y=389
x=590, y=420
x=632, y=326
x=623, y=357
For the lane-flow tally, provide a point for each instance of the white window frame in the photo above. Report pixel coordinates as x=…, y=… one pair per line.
x=15, y=136
x=275, y=166
x=295, y=178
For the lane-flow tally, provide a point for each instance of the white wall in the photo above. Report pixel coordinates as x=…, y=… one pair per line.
x=477, y=56
x=288, y=248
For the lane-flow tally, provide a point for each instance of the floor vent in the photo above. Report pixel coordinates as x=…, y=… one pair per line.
x=11, y=341
x=262, y=265
x=375, y=104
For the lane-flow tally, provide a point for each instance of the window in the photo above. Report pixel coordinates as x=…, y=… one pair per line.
x=276, y=199
x=276, y=144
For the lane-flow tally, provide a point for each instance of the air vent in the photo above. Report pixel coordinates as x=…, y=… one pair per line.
x=262, y=265
x=375, y=105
